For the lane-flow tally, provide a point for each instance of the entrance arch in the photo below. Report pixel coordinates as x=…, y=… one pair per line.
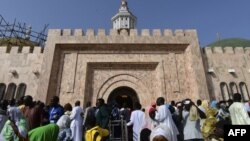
x=123, y=95
x=125, y=80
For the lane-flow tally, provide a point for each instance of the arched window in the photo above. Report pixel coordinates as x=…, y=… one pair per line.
x=233, y=88
x=2, y=90
x=10, y=91
x=244, y=91
x=20, y=91
x=224, y=91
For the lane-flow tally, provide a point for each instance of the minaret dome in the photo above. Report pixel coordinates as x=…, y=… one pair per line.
x=124, y=19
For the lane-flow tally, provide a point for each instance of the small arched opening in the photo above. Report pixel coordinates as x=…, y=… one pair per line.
x=244, y=91
x=2, y=90
x=224, y=91
x=233, y=88
x=11, y=90
x=20, y=91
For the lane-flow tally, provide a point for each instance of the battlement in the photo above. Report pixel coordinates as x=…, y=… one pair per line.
x=227, y=50
x=19, y=50
x=113, y=32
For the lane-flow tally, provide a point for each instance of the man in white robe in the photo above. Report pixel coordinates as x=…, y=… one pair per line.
x=164, y=117
x=238, y=113
x=192, y=116
x=163, y=131
x=1, y=137
x=76, y=123
x=136, y=120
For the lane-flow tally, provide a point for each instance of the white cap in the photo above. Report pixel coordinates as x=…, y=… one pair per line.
x=187, y=102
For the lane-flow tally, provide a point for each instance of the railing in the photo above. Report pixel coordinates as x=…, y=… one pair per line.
x=118, y=130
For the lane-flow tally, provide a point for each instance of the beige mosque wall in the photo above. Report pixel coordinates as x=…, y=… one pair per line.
x=228, y=69
x=86, y=66
x=20, y=66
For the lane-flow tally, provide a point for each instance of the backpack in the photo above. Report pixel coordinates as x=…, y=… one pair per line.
x=115, y=114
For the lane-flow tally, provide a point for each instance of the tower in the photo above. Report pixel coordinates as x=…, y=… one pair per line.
x=124, y=19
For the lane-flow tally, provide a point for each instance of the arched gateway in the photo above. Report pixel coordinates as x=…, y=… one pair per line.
x=123, y=95
x=123, y=88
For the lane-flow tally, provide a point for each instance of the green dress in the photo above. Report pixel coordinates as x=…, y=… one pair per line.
x=45, y=133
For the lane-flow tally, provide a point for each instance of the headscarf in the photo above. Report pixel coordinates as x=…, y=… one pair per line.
x=193, y=114
x=209, y=123
x=152, y=108
x=204, y=104
x=45, y=133
x=178, y=104
x=68, y=113
x=64, y=122
x=153, y=105
x=213, y=104
x=151, y=111
x=161, y=131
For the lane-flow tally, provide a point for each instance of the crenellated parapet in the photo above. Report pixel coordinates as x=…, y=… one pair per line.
x=20, y=50
x=126, y=36
x=227, y=50
x=113, y=32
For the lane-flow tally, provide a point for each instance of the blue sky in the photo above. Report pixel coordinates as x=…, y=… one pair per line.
x=229, y=18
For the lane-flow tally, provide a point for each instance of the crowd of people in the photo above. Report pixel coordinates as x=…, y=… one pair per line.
x=28, y=120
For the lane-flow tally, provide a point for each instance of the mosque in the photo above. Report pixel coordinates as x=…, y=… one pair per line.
x=124, y=65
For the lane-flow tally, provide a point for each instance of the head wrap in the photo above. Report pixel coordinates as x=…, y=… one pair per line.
x=179, y=104
x=64, y=122
x=187, y=102
x=153, y=105
x=213, y=104
x=205, y=105
x=193, y=114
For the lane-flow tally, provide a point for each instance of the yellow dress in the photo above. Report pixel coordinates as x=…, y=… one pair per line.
x=209, y=123
x=96, y=134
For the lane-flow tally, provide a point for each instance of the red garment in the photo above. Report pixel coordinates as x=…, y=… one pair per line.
x=151, y=109
x=153, y=105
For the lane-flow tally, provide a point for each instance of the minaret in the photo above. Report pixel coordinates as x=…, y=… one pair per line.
x=124, y=19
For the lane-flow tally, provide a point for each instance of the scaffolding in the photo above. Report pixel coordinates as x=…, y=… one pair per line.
x=16, y=33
